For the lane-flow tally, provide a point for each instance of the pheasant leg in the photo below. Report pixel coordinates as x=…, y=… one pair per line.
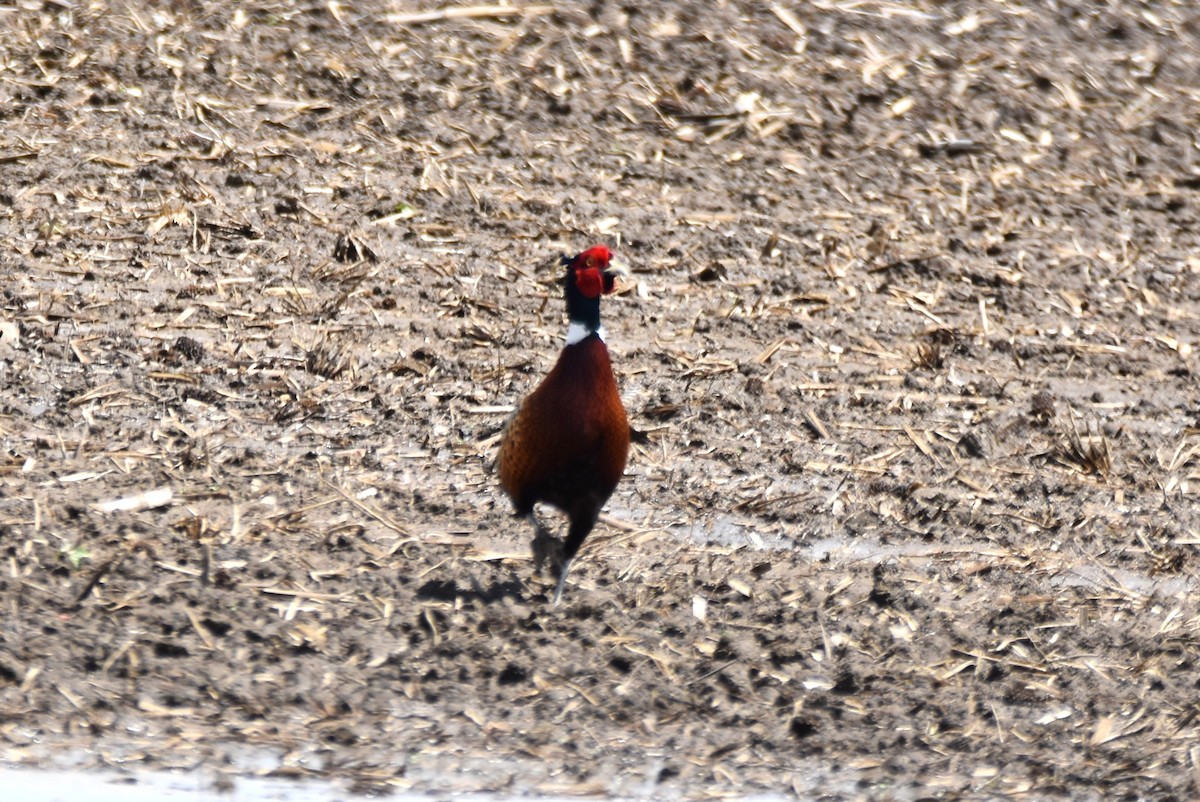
x=546, y=547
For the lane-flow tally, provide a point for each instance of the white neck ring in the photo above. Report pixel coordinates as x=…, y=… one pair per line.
x=578, y=332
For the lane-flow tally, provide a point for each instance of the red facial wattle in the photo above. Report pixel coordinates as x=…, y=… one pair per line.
x=590, y=281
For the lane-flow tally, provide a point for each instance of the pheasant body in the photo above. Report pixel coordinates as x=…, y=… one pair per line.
x=567, y=443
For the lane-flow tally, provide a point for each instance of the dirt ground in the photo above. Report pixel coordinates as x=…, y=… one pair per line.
x=910, y=336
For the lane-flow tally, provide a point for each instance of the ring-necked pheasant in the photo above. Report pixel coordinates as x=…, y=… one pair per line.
x=567, y=443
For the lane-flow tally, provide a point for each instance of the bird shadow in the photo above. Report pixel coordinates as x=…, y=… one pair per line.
x=448, y=591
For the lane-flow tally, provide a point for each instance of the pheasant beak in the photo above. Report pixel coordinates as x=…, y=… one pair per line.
x=617, y=268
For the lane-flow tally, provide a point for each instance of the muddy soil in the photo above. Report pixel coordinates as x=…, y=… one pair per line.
x=910, y=338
